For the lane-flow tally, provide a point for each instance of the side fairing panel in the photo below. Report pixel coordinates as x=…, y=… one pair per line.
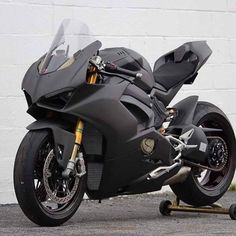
x=102, y=107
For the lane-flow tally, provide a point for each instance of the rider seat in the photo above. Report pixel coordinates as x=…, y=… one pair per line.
x=175, y=66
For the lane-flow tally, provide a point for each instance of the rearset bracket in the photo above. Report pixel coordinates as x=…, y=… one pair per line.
x=179, y=146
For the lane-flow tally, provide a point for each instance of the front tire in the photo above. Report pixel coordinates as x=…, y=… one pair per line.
x=36, y=167
x=210, y=187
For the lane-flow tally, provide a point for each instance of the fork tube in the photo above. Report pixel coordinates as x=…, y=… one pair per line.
x=78, y=139
x=93, y=75
x=80, y=124
x=92, y=78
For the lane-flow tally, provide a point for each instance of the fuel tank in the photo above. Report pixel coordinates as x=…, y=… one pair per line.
x=129, y=59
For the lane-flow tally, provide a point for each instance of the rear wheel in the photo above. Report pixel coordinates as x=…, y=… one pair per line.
x=44, y=196
x=204, y=187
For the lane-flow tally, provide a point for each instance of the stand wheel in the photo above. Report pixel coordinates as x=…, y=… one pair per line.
x=232, y=211
x=164, y=207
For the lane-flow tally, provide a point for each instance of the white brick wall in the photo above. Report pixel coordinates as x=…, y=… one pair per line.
x=151, y=27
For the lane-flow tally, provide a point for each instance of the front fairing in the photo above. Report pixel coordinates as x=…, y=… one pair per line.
x=46, y=85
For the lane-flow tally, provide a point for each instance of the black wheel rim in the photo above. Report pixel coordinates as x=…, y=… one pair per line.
x=208, y=179
x=55, y=181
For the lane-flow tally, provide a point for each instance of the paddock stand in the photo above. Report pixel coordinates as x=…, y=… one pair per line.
x=166, y=207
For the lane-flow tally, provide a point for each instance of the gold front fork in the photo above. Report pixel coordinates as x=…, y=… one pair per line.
x=78, y=139
x=92, y=78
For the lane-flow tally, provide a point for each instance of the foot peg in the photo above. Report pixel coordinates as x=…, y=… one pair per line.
x=180, y=146
x=182, y=142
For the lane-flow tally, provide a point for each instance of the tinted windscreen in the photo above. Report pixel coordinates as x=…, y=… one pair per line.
x=71, y=37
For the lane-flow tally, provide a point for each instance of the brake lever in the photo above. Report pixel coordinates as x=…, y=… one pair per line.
x=111, y=67
x=103, y=72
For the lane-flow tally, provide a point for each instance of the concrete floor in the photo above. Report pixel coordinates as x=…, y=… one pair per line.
x=133, y=215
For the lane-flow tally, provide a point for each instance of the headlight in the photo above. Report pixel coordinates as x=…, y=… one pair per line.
x=58, y=101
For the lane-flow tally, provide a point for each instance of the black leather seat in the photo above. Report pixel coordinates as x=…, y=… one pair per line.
x=171, y=73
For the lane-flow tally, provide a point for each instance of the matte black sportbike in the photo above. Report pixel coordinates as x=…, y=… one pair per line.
x=103, y=126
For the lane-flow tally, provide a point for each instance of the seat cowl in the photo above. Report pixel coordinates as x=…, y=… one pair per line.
x=178, y=65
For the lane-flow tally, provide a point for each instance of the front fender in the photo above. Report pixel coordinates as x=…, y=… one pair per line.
x=62, y=138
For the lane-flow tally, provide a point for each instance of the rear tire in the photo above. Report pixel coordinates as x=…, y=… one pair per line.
x=214, y=184
x=33, y=198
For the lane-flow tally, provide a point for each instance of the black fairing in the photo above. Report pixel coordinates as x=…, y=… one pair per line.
x=46, y=85
x=123, y=114
x=118, y=115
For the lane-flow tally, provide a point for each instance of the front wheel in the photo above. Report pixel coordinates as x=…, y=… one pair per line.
x=204, y=187
x=45, y=197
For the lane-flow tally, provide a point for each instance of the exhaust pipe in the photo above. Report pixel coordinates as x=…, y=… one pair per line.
x=180, y=177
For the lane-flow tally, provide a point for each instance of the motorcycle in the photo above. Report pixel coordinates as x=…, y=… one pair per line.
x=104, y=127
